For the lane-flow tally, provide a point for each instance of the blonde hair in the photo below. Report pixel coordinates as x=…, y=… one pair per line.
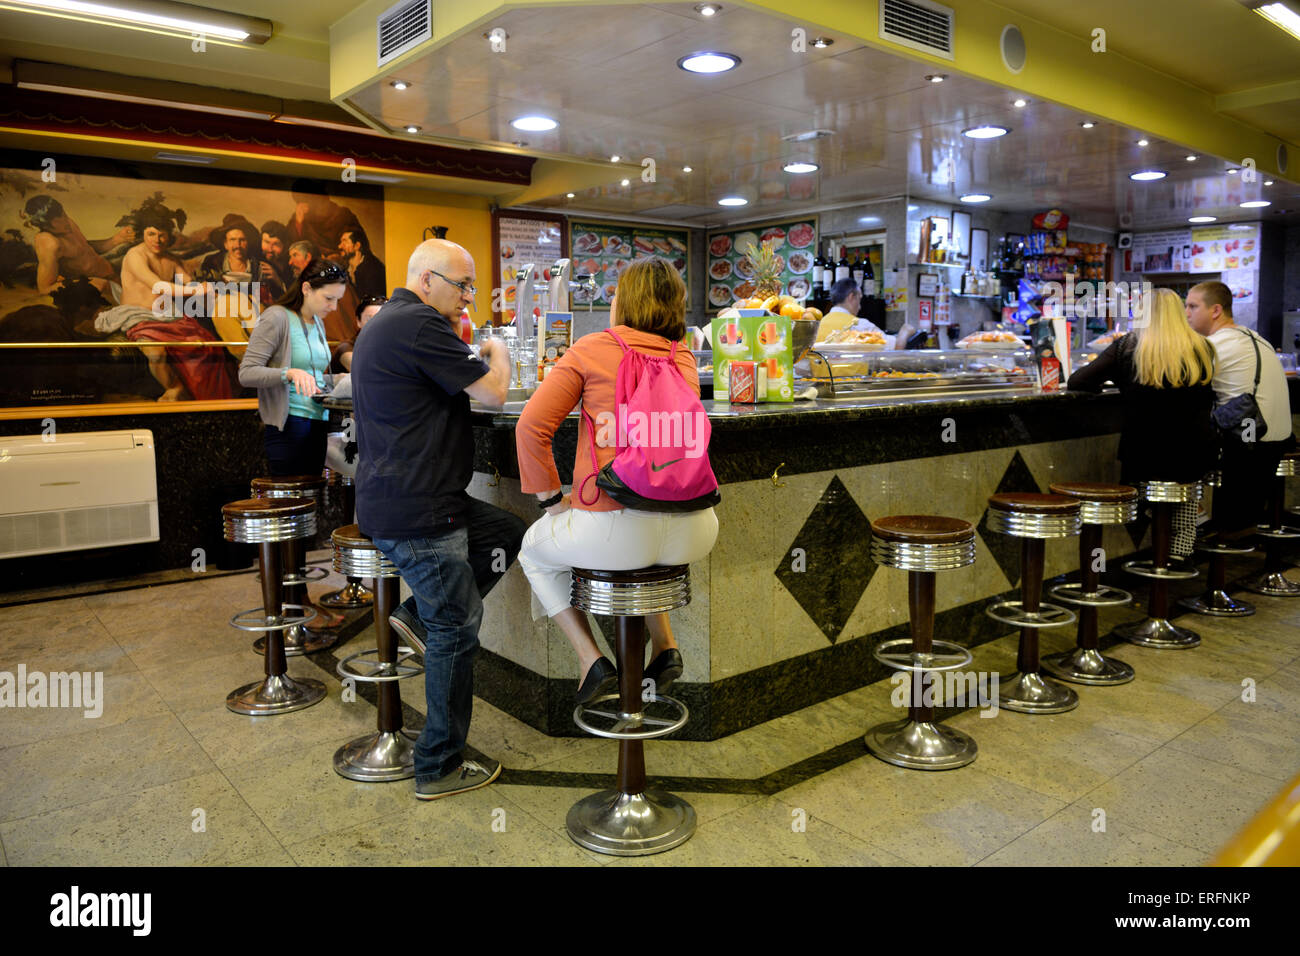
x=1169, y=351
x=652, y=298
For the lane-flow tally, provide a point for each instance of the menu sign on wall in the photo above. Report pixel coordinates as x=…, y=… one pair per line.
x=1220, y=248
x=605, y=249
x=731, y=277
x=519, y=239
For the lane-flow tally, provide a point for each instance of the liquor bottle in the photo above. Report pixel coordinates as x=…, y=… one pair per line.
x=828, y=273
x=842, y=270
x=819, y=266
x=858, y=271
x=868, y=278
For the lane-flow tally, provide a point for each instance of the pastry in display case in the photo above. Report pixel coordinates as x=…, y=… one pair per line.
x=846, y=371
x=993, y=339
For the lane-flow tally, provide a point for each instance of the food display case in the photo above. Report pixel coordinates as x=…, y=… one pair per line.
x=849, y=372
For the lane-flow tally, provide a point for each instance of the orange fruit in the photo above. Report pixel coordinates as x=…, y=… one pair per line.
x=792, y=310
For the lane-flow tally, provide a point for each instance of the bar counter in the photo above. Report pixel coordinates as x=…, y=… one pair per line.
x=786, y=609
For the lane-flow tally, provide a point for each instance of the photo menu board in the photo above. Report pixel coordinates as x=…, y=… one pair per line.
x=605, y=249
x=520, y=238
x=730, y=275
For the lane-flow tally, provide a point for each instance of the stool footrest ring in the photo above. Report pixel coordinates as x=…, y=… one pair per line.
x=949, y=656
x=1104, y=596
x=1177, y=570
x=303, y=575
x=1014, y=613
x=380, y=671
x=631, y=726
x=1277, y=534
x=244, y=619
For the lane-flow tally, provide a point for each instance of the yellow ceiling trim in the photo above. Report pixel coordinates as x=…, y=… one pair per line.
x=1259, y=96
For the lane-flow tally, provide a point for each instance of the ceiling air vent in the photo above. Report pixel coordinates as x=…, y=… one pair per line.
x=404, y=26
x=918, y=24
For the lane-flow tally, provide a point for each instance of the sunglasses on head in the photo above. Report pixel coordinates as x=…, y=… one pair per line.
x=325, y=273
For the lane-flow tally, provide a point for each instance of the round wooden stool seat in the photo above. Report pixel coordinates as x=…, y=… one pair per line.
x=1100, y=503
x=254, y=520
x=1034, y=515
x=1033, y=503
x=922, y=542
x=355, y=555
x=289, y=486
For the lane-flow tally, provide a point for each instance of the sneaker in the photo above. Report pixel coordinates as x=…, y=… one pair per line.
x=471, y=775
x=409, y=626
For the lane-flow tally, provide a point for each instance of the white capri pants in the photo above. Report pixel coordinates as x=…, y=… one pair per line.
x=609, y=541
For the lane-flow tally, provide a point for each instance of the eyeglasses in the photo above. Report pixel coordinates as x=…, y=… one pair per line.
x=464, y=287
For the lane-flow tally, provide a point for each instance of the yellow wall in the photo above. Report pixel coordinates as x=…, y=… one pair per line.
x=406, y=214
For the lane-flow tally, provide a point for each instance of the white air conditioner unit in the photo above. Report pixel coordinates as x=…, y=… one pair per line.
x=71, y=491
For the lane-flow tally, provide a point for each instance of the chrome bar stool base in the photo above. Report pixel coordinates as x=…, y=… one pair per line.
x=1159, y=633
x=277, y=694
x=630, y=824
x=1082, y=665
x=1218, y=604
x=1033, y=693
x=921, y=745
x=352, y=596
x=298, y=640
x=377, y=758
x=1274, y=584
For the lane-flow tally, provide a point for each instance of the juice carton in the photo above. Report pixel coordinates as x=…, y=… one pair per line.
x=759, y=337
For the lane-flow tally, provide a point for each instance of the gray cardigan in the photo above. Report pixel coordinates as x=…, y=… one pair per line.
x=270, y=350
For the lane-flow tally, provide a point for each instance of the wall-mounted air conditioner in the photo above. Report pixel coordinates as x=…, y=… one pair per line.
x=76, y=490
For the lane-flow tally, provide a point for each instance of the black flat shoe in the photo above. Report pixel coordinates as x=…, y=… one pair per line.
x=665, y=669
x=601, y=679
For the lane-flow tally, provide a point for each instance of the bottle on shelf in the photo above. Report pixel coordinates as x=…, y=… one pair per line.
x=819, y=266
x=857, y=271
x=842, y=270
x=868, y=278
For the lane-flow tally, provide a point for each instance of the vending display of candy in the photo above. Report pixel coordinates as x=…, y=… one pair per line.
x=755, y=336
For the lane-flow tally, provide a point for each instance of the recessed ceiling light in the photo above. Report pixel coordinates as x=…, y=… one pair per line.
x=822, y=43
x=1255, y=204
x=615, y=158
x=709, y=62
x=1020, y=103
x=801, y=167
x=976, y=197
x=733, y=201
x=521, y=143
x=985, y=132
x=412, y=129
x=1280, y=15
x=568, y=195
x=936, y=77
x=807, y=135
x=1268, y=182
x=1144, y=142
x=534, y=124
x=1087, y=124
x=398, y=85
x=707, y=9
x=1240, y=226
x=913, y=208
x=1203, y=219
x=686, y=169
x=868, y=220
x=1232, y=170
x=1148, y=175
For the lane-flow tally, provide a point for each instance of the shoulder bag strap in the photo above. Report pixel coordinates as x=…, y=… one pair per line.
x=1258, y=360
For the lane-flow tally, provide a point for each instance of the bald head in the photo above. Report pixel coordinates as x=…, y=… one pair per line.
x=434, y=269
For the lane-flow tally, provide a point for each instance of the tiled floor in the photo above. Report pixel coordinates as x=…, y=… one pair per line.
x=1159, y=771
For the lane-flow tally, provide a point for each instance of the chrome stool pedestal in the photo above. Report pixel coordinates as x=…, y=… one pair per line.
x=1157, y=631
x=298, y=639
x=388, y=753
x=922, y=545
x=631, y=819
x=1216, y=601
x=268, y=524
x=354, y=594
x=1033, y=518
x=1273, y=580
x=1099, y=505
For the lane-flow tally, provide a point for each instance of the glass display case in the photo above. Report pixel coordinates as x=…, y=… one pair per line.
x=850, y=372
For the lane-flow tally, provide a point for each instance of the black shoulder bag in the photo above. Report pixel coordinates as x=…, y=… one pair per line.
x=1240, y=416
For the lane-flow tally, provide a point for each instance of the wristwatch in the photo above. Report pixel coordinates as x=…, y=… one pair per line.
x=553, y=501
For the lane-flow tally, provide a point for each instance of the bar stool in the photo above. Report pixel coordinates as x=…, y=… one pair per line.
x=1099, y=505
x=1216, y=601
x=1033, y=518
x=921, y=545
x=269, y=523
x=1273, y=581
x=631, y=820
x=298, y=639
x=387, y=754
x=354, y=594
x=1156, y=630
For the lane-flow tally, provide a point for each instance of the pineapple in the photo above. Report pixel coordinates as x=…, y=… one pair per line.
x=767, y=266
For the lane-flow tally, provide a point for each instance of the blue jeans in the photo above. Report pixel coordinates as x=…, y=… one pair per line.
x=298, y=448
x=449, y=576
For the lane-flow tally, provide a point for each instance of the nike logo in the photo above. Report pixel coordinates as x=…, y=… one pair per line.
x=654, y=467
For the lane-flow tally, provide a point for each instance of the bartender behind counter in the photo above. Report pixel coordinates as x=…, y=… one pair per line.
x=846, y=300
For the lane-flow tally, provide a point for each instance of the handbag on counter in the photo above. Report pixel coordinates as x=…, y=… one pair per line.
x=1241, y=413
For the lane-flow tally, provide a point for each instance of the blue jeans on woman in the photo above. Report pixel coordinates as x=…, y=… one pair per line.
x=298, y=448
x=449, y=576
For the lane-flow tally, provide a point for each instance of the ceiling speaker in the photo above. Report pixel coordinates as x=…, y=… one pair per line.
x=1281, y=157
x=1125, y=240
x=1013, y=48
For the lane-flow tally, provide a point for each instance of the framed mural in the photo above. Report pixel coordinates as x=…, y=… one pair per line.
x=128, y=283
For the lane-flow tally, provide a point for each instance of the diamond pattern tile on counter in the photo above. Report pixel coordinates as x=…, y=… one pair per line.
x=1005, y=548
x=835, y=543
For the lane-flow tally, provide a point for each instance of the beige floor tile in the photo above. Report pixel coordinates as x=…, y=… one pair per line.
x=127, y=696
x=4, y=860
x=192, y=639
x=454, y=831
x=1143, y=708
x=1184, y=798
x=1069, y=839
x=74, y=769
x=192, y=686
x=1281, y=690
x=277, y=857
x=15, y=617
x=1210, y=672
x=163, y=608
x=763, y=834
x=953, y=818
x=517, y=745
x=1249, y=736
x=298, y=795
x=150, y=827
x=55, y=640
